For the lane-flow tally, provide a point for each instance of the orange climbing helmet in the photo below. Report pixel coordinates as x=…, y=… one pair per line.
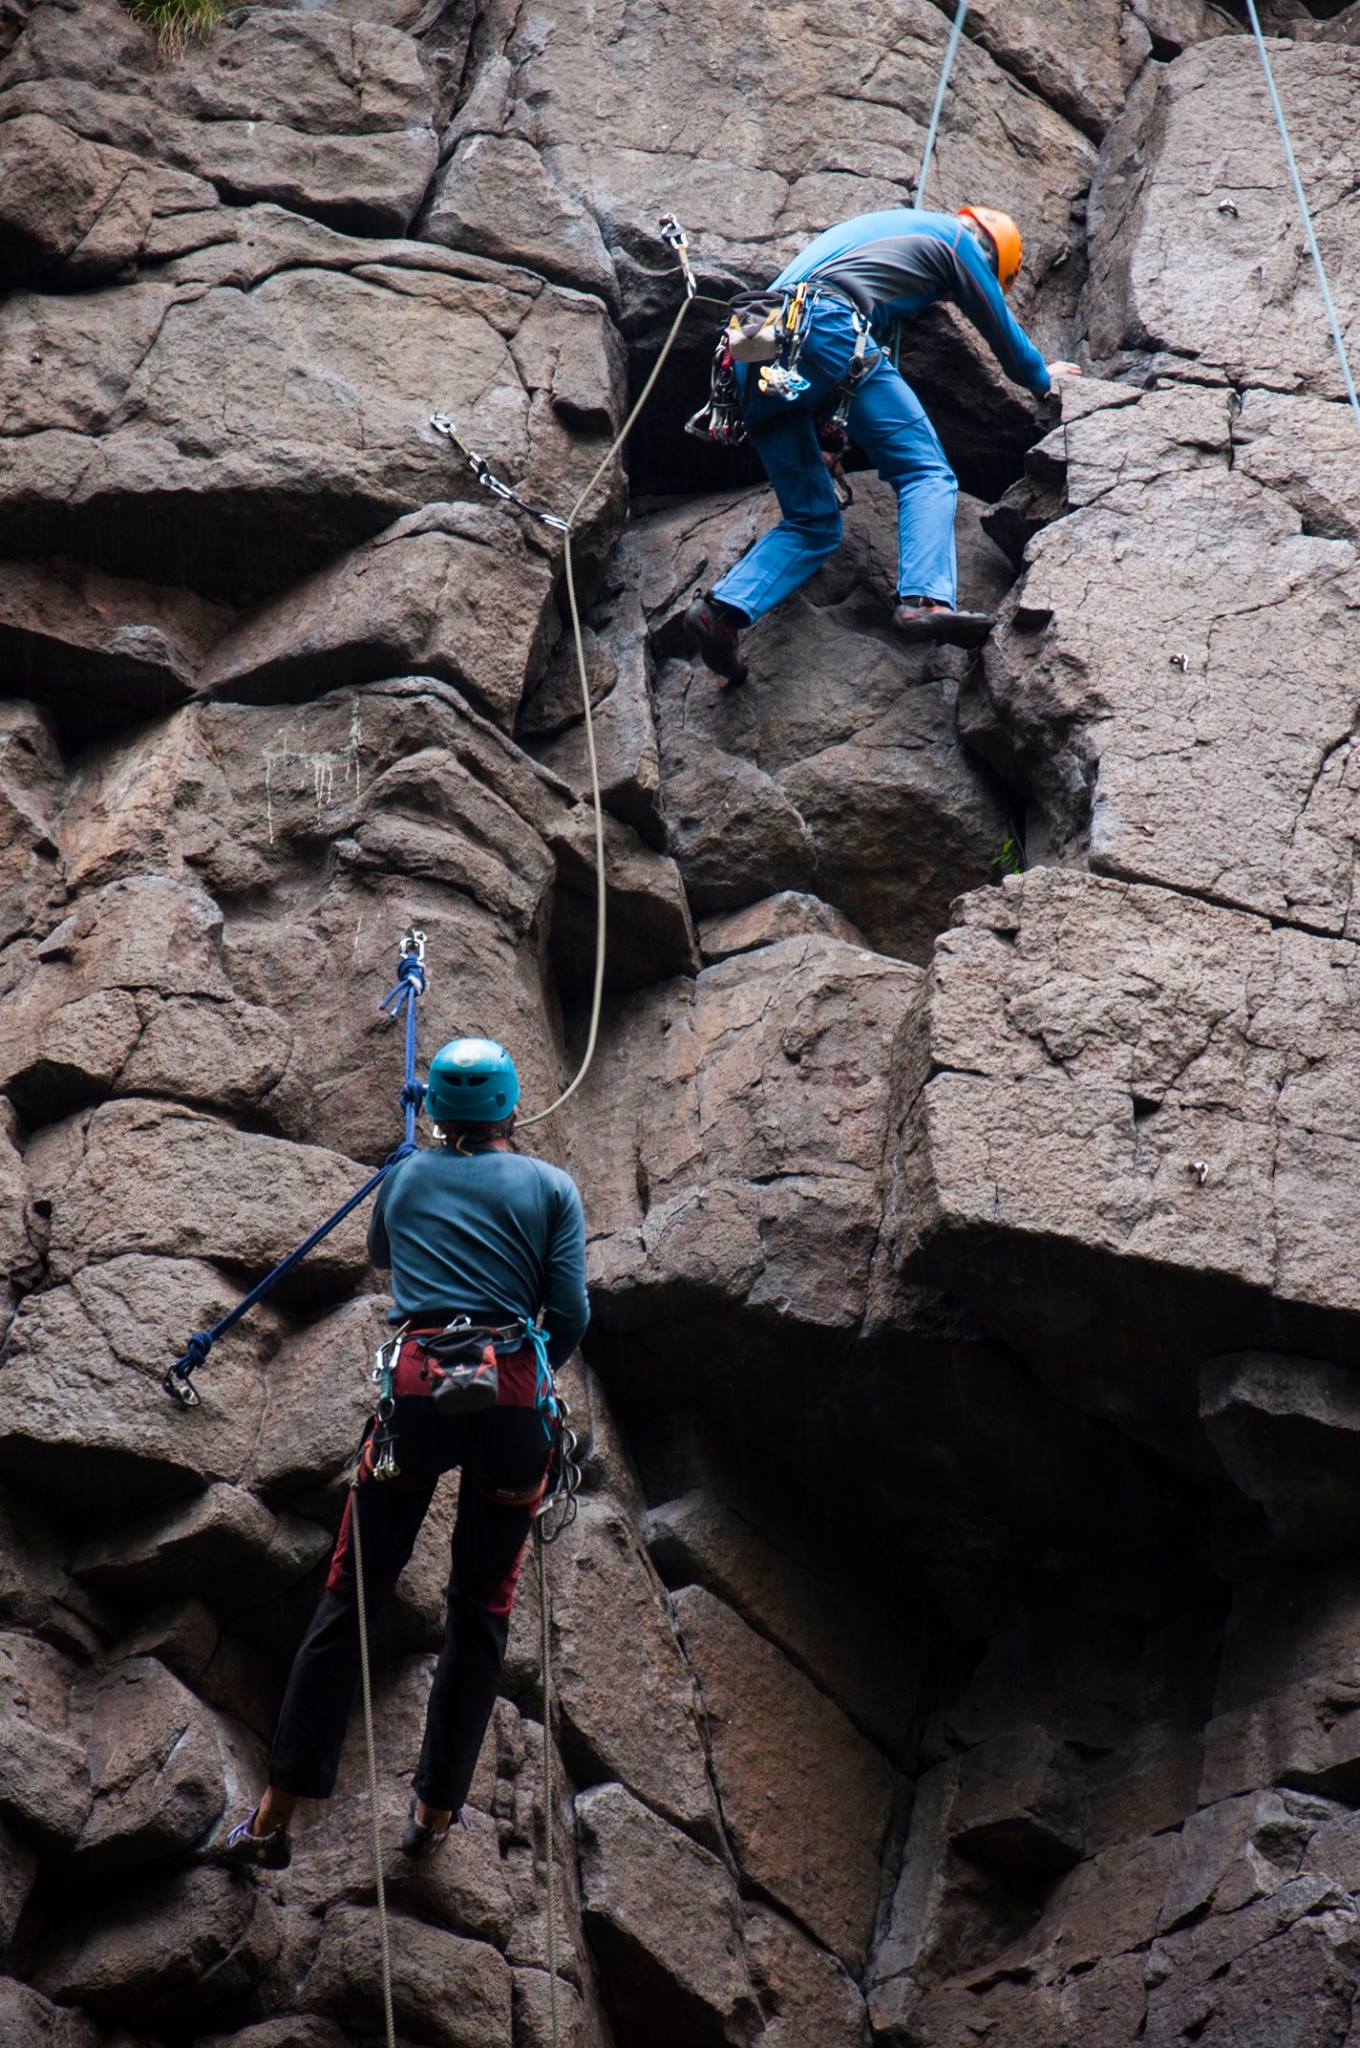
x=1004, y=237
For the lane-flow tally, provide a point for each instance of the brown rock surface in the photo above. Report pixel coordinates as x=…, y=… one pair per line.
x=779, y=1590
x=756, y=781
x=1154, y=633
x=30, y=790
x=328, y=118
x=343, y=1980
x=78, y=209
x=162, y=1768
x=805, y=1798
x=626, y=1695
x=453, y=591
x=322, y=428
x=972, y=1340
x=177, y=1949
x=664, y=1917
x=1228, y=286
x=759, y=1184
x=44, y=1783
x=1085, y=1048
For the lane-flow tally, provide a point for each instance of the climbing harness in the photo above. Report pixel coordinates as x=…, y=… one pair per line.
x=1338, y=339
x=770, y=329
x=674, y=236
x=400, y=1000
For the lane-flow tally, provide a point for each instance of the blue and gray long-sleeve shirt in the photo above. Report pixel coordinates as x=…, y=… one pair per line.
x=895, y=264
x=487, y=1234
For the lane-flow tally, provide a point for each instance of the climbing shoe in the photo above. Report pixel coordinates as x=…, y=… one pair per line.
x=918, y=618
x=711, y=629
x=419, y=1842
x=243, y=1850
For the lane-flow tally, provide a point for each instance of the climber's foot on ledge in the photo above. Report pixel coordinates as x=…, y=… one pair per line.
x=421, y=1837
x=924, y=618
x=245, y=1850
x=711, y=630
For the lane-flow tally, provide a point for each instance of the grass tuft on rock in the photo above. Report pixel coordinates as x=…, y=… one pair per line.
x=177, y=23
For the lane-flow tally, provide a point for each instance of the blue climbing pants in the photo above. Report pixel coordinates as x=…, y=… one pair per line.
x=887, y=420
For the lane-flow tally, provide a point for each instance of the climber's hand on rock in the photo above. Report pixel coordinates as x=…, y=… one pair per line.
x=1061, y=369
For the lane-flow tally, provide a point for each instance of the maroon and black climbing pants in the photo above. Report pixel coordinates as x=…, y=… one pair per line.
x=503, y=1456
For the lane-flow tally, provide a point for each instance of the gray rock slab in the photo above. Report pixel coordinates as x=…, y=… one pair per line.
x=759, y=1181
x=664, y=1918
x=1155, y=1084
x=327, y=117
x=1194, y=250
x=340, y=349
x=805, y=1798
x=343, y=1980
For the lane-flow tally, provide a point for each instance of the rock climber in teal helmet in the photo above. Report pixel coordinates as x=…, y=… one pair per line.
x=486, y=1248
x=851, y=286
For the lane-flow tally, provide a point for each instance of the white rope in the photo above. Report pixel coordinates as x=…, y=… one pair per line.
x=549, y=1871
x=366, y=1689
x=1299, y=193
x=951, y=51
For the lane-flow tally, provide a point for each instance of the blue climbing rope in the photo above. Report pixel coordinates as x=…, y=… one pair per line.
x=400, y=1000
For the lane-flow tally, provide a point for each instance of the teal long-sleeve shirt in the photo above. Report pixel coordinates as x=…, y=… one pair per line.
x=895, y=264
x=490, y=1235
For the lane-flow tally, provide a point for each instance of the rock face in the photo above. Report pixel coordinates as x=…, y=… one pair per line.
x=955, y=1640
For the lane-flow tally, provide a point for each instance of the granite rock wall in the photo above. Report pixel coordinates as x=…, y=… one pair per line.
x=956, y=1641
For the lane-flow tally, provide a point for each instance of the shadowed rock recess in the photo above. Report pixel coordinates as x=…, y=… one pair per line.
x=957, y=1642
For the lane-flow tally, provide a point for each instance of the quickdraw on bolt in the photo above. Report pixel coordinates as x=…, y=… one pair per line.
x=674, y=234
x=489, y=481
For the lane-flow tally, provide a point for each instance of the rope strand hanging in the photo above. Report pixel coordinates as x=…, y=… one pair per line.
x=673, y=234
x=951, y=51
x=1338, y=338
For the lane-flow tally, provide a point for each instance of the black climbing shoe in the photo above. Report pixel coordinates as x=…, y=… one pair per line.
x=918, y=619
x=711, y=628
x=244, y=1851
x=419, y=1842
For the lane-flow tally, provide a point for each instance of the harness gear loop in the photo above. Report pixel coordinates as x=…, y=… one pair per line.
x=402, y=997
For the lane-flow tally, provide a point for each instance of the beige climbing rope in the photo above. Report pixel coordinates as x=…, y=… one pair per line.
x=550, y=1873
x=673, y=234
x=366, y=1691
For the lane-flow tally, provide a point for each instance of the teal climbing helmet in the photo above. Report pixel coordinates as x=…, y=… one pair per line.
x=472, y=1081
